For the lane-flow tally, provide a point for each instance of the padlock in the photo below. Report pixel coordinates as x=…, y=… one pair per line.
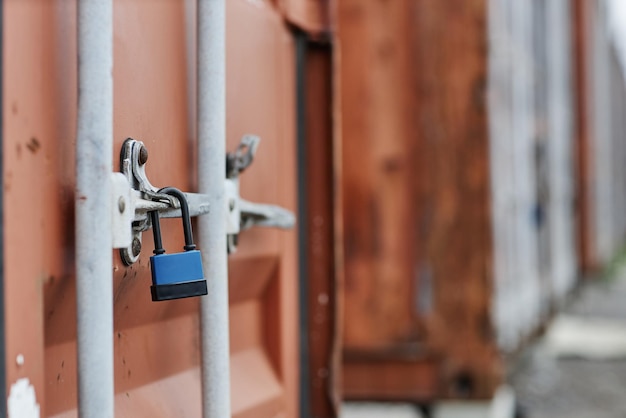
x=176, y=275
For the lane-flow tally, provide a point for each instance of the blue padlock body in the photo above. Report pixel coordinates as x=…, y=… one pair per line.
x=176, y=268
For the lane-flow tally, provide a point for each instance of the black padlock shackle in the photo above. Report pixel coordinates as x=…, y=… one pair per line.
x=156, y=225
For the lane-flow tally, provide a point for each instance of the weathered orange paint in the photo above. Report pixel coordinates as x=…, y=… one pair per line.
x=311, y=16
x=156, y=344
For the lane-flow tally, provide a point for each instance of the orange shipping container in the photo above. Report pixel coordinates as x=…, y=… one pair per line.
x=156, y=344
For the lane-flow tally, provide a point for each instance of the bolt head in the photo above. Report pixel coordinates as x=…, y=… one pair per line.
x=143, y=155
x=136, y=247
x=121, y=204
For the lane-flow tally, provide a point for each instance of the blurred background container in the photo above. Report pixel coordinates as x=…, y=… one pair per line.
x=482, y=177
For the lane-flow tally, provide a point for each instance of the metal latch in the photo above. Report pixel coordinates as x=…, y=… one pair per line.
x=243, y=214
x=142, y=198
x=134, y=196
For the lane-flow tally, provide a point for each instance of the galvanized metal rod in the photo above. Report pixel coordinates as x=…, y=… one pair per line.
x=212, y=227
x=94, y=157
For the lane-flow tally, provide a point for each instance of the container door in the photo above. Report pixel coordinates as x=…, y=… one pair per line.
x=156, y=344
x=415, y=213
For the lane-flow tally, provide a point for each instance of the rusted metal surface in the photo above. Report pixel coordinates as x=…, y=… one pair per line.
x=156, y=344
x=375, y=132
x=455, y=246
x=412, y=80
x=392, y=379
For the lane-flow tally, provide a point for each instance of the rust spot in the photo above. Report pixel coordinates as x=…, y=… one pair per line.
x=375, y=222
x=18, y=150
x=479, y=93
x=34, y=145
x=119, y=335
x=129, y=373
x=63, y=364
x=14, y=108
x=353, y=11
x=392, y=164
x=59, y=378
x=386, y=49
x=82, y=197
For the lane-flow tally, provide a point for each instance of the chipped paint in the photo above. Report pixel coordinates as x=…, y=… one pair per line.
x=22, y=402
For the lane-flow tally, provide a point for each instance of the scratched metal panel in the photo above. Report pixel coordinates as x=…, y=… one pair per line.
x=532, y=145
x=605, y=139
x=560, y=215
x=618, y=140
x=543, y=166
x=516, y=303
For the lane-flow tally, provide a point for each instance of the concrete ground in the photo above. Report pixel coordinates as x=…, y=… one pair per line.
x=502, y=406
x=378, y=410
x=577, y=370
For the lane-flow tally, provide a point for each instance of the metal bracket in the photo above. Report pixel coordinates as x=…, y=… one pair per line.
x=243, y=214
